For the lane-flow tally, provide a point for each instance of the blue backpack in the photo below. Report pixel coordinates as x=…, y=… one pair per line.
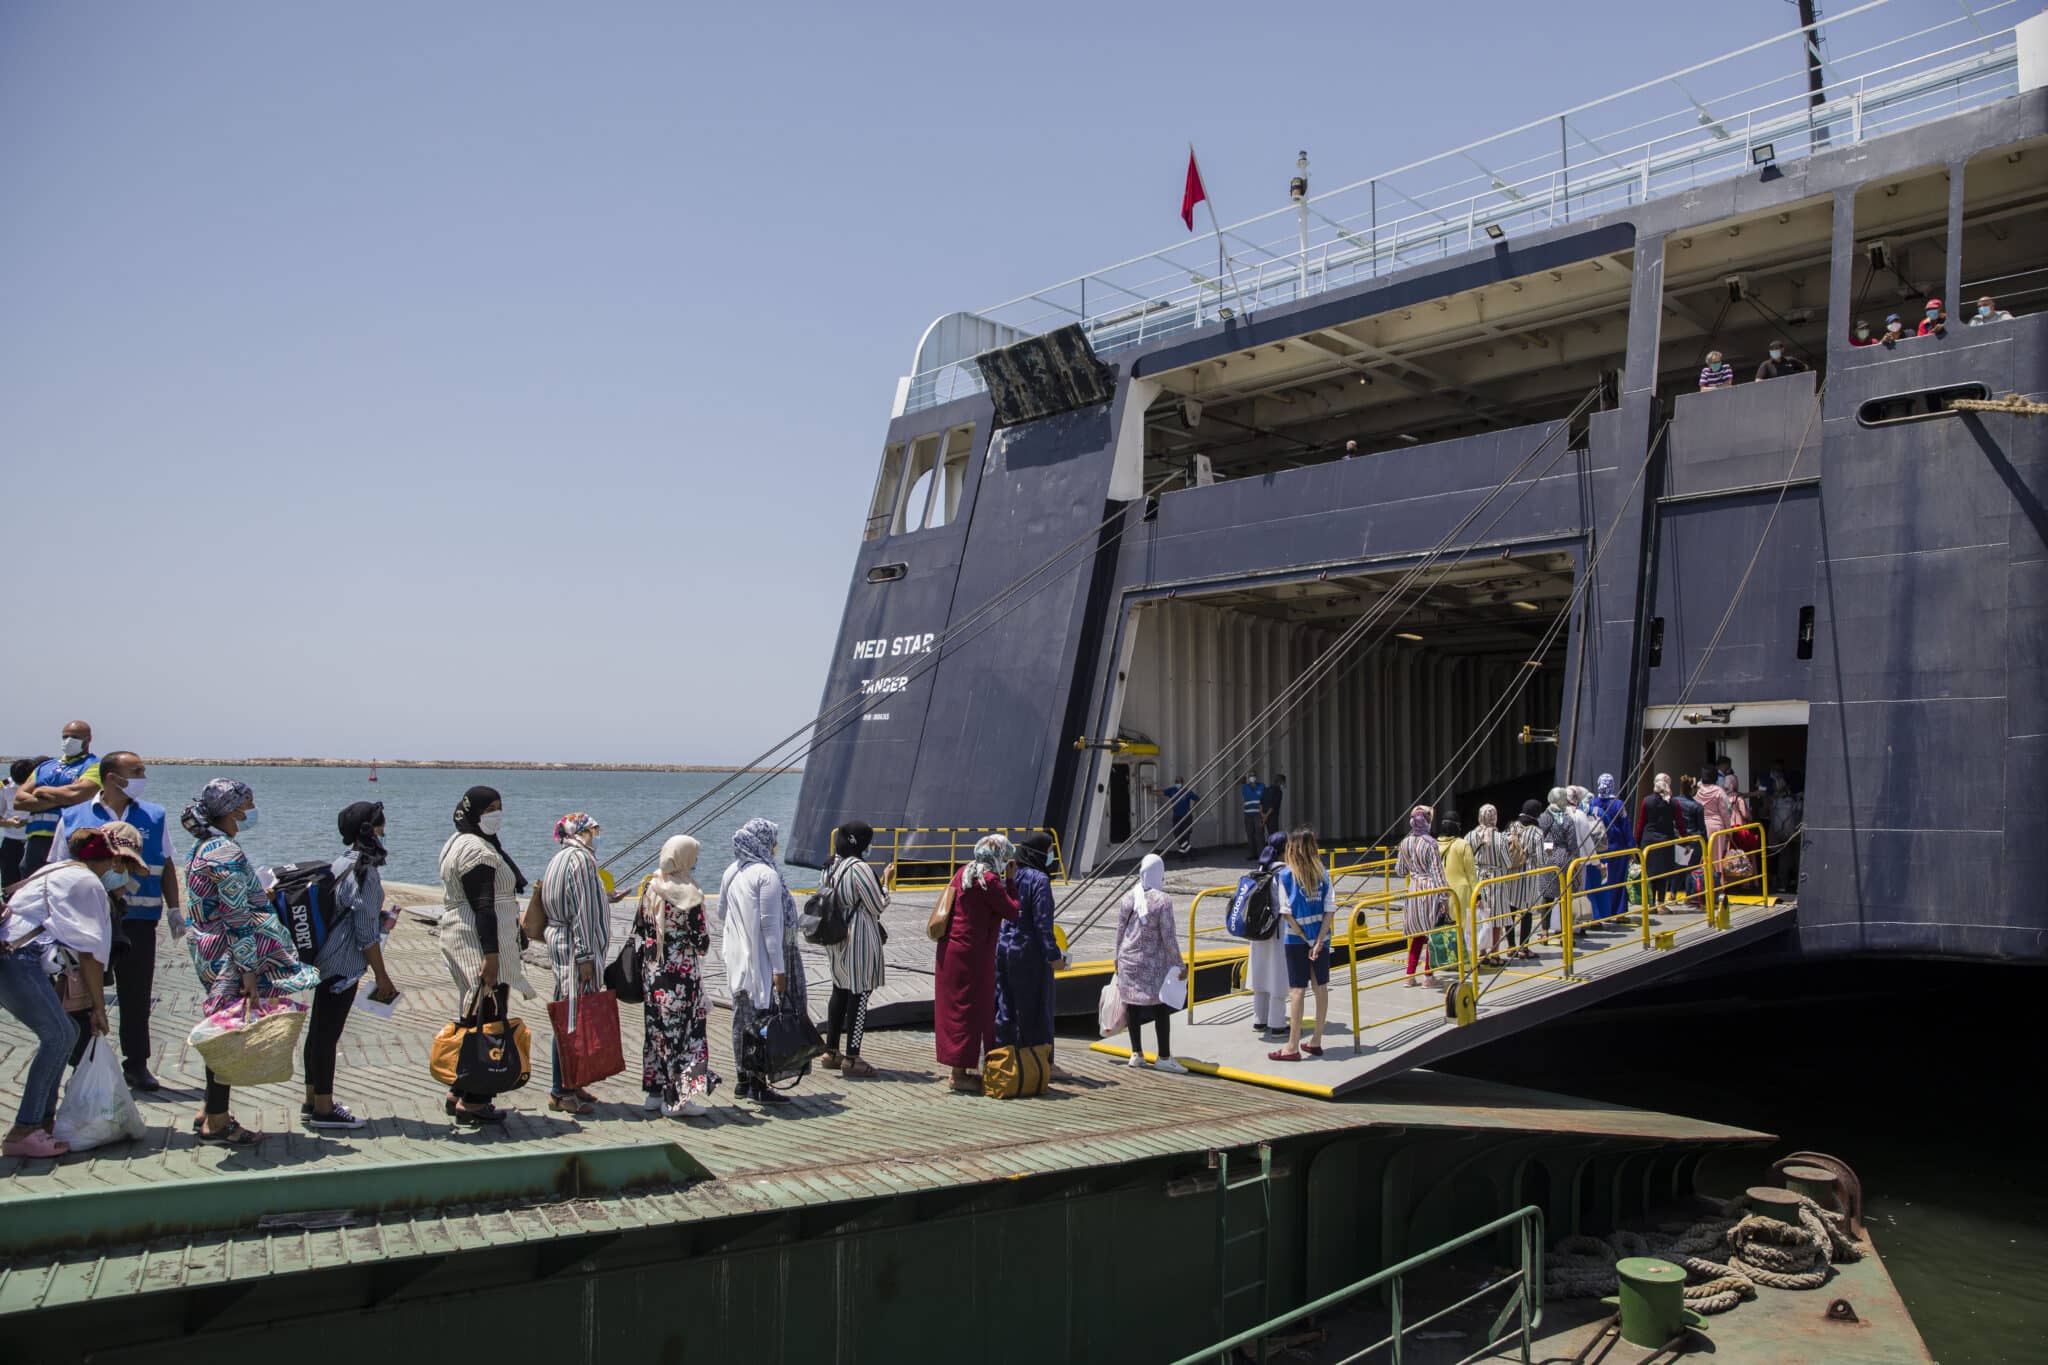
x=1251, y=915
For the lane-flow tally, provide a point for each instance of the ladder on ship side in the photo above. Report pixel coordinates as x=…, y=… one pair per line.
x=1228, y=1287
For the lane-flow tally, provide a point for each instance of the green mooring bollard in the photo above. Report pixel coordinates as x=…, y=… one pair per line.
x=1652, y=1300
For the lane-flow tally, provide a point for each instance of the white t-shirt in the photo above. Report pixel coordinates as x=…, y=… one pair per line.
x=63, y=905
x=7, y=790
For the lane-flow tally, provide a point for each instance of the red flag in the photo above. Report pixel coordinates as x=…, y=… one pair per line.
x=1193, y=194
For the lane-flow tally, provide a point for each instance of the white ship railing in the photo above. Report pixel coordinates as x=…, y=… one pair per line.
x=1579, y=176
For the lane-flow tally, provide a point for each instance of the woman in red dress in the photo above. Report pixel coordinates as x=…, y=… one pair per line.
x=964, y=1008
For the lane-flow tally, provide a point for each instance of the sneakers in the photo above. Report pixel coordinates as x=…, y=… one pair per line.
x=767, y=1095
x=686, y=1109
x=34, y=1144
x=1137, y=1061
x=1170, y=1067
x=340, y=1116
x=652, y=1103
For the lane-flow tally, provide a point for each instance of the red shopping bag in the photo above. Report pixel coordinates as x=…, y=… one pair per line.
x=591, y=1053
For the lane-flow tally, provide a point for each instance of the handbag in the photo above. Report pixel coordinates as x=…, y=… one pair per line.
x=243, y=1044
x=1685, y=853
x=591, y=1050
x=942, y=913
x=482, y=1052
x=533, y=921
x=1009, y=1073
x=625, y=975
x=782, y=1042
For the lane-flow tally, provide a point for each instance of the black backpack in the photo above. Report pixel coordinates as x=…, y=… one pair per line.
x=303, y=897
x=824, y=917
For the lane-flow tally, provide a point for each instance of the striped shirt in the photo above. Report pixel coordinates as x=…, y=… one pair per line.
x=1721, y=376
x=856, y=960
x=579, y=918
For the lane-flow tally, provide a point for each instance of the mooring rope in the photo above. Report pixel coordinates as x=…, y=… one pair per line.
x=1726, y=1258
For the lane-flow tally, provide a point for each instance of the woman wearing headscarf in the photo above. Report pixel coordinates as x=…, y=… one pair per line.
x=1461, y=874
x=1147, y=952
x=1028, y=952
x=1608, y=808
x=1715, y=815
x=1692, y=823
x=579, y=937
x=238, y=948
x=61, y=920
x=672, y=937
x=353, y=946
x=758, y=944
x=1560, y=843
x=1532, y=894
x=479, y=928
x=856, y=960
x=1420, y=861
x=1265, y=968
x=1492, y=856
x=1660, y=824
x=964, y=1005
x=1308, y=919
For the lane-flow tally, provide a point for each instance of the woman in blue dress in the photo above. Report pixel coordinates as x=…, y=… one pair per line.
x=1027, y=953
x=1612, y=812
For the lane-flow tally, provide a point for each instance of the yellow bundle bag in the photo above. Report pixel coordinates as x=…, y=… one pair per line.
x=1010, y=1073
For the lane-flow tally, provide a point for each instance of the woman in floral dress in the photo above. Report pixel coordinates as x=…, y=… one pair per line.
x=238, y=948
x=675, y=1056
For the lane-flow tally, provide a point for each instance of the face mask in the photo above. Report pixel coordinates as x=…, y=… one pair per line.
x=248, y=820
x=489, y=821
x=72, y=746
x=115, y=880
x=1862, y=332
x=1777, y=354
x=1983, y=310
x=1934, y=312
x=135, y=787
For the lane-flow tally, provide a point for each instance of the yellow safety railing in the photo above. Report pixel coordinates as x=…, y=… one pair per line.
x=1194, y=914
x=1529, y=891
x=1681, y=873
x=1736, y=871
x=926, y=856
x=1355, y=920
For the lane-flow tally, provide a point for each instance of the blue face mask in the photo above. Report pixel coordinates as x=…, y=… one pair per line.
x=248, y=820
x=115, y=880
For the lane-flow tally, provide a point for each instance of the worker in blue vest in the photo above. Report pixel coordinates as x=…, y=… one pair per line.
x=57, y=785
x=1253, y=794
x=123, y=779
x=1182, y=837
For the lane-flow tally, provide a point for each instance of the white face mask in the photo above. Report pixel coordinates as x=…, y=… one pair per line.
x=135, y=787
x=72, y=746
x=489, y=821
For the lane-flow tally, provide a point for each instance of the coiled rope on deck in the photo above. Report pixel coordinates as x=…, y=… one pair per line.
x=1726, y=1258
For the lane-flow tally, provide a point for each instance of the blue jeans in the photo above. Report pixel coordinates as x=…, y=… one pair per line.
x=29, y=996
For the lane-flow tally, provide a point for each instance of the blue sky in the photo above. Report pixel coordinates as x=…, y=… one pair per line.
x=507, y=381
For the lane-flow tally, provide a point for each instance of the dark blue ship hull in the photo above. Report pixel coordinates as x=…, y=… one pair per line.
x=1891, y=625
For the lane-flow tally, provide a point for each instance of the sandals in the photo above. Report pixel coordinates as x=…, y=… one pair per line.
x=1283, y=1055
x=857, y=1067
x=234, y=1135
x=1311, y=1049
x=570, y=1103
x=831, y=1061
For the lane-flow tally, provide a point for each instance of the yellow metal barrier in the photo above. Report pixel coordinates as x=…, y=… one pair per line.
x=1680, y=873
x=938, y=851
x=1355, y=920
x=1730, y=871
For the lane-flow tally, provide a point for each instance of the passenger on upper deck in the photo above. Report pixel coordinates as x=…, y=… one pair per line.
x=1935, y=324
x=1780, y=363
x=1894, y=331
x=1716, y=373
x=1862, y=335
x=1988, y=311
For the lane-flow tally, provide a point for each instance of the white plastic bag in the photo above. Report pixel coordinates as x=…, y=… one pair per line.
x=97, y=1108
x=1109, y=1010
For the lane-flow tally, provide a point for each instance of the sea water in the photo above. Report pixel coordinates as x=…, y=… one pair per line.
x=297, y=808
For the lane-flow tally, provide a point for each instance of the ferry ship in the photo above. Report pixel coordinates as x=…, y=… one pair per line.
x=1120, y=520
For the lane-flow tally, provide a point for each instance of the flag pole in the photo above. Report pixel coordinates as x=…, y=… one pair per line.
x=1209, y=203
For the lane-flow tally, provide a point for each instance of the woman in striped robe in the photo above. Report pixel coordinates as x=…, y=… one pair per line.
x=857, y=969
x=579, y=936
x=1493, y=851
